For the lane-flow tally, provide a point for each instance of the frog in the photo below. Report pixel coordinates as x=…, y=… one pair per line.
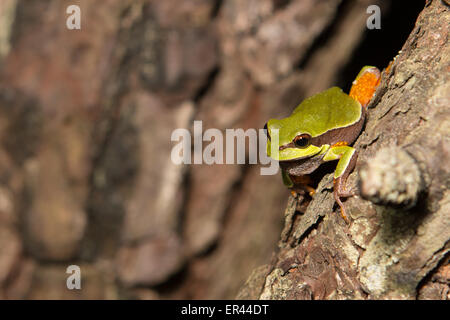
x=320, y=129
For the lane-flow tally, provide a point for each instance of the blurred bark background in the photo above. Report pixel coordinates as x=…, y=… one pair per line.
x=86, y=118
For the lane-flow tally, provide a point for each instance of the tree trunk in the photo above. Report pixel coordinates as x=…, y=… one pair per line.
x=396, y=245
x=86, y=118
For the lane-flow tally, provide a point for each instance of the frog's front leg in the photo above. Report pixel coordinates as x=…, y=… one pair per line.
x=347, y=159
x=298, y=183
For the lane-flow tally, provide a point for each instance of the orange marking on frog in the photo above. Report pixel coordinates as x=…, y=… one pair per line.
x=364, y=87
x=340, y=144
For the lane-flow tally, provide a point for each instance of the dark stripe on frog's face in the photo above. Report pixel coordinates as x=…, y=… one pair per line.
x=346, y=134
x=328, y=117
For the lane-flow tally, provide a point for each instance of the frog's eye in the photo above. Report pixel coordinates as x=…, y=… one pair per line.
x=267, y=131
x=302, y=140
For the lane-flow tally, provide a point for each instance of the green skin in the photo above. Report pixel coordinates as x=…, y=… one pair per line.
x=324, y=120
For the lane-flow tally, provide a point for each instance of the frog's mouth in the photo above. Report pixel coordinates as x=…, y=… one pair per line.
x=300, y=159
x=292, y=154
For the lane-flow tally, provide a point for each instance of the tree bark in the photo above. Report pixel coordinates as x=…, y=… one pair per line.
x=86, y=118
x=397, y=243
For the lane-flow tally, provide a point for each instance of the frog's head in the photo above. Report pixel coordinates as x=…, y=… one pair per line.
x=287, y=142
x=304, y=133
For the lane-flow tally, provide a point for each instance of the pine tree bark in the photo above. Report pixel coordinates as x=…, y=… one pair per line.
x=86, y=118
x=397, y=243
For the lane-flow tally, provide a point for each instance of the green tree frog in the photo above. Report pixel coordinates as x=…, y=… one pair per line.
x=321, y=129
